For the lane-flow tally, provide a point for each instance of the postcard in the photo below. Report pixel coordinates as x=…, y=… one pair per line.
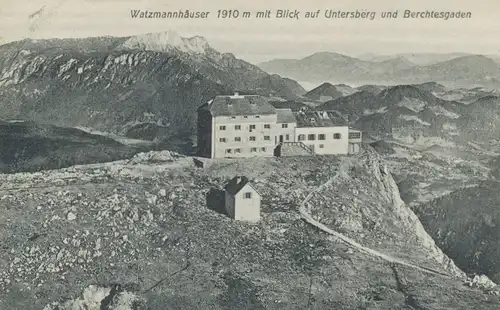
x=249, y=154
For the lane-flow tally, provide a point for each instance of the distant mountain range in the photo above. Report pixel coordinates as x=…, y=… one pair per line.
x=127, y=85
x=407, y=112
x=459, y=71
x=420, y=59
x=410, y=112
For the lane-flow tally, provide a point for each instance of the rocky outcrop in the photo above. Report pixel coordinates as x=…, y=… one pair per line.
x=407, y=217
x=100, y=298
x=365, y=204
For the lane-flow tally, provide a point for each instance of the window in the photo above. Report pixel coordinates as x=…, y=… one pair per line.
x=321, y=136
x=302, y=137
x=284, y=125
x=321, y=146
x=248, y=196
x=237, y=150
x=245, y=116
x=252, y=138
x=228, y=151
x=311, y=137
x=222, y=127
x=267, y=126
x=263, y=149
x=252, y=127
x=222, y=140
x=287, y=137
x=267, y=138
x=355, y=135
x=237, y=127
x=233, y=117
x=237, y=139
x=256, y=116
x=253, y=150
x=336, y=136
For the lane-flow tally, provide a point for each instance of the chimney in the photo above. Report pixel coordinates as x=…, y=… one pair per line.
x=238, y=180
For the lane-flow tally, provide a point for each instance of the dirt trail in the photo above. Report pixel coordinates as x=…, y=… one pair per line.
x=309, y=219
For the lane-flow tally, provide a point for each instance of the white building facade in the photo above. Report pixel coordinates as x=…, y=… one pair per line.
x=324, y=140
x=242, y=201
x=243, y=136
x=249, y=126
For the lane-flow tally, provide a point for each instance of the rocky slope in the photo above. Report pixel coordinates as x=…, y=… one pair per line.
x=451, y=188
x=148, y=233
x=116, y=84
x=468, y=234
x=445, y=156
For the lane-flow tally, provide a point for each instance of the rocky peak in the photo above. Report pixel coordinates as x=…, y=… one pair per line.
x=166, y=41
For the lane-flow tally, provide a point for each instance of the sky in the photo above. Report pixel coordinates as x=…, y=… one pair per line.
x=259, y=40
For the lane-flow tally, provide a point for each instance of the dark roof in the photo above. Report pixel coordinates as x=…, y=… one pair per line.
x=319, y=119
x=293, y=105
x=236, y=184
x=285, y=116
x=239, y=105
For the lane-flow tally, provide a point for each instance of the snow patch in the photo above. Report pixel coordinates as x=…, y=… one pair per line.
x=378, y=111
x=414, y=118
x=449, y=126
x=402, y=138
x=118, y=138
x=415, y=105
x=439, y=110
x=404, y=153
x=451, y=96
x=434, y=141
x=325, y=98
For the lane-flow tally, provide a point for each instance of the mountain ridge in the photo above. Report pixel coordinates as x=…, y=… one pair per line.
x=463, y=70
x=111, y=85
x=412, y=111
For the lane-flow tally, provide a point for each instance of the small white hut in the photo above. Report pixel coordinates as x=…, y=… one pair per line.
x=242, y=200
